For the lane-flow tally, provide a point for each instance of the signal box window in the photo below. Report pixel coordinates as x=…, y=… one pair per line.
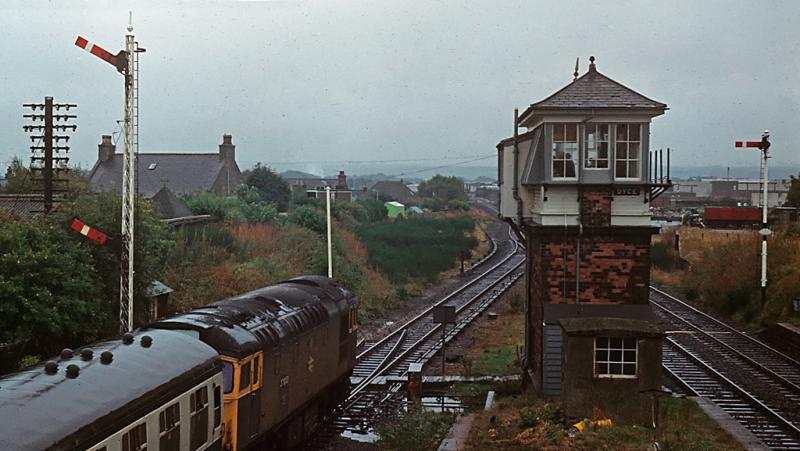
x=597, y=142
x=628, y=151
x=198, y=425
x=615, y=357
x=135, y=439
x=565, y=149
x=169, y=428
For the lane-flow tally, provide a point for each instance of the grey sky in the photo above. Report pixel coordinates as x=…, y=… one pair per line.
x=348, y=80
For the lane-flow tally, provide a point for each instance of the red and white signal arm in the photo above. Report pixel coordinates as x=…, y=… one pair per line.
x=89, y=232
x=755, y=144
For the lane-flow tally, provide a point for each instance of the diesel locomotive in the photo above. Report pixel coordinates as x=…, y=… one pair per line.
x=258, y=370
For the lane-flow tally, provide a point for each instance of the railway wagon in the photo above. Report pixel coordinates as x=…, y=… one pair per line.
x=257, y=370
x=152, y=390
x=288, y=351
x=732, y=216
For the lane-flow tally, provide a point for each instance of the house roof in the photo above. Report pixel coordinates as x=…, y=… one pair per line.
x=169, y=206
x=393, y=189
x=183, y=173
x=22, y=206
x=595, y=90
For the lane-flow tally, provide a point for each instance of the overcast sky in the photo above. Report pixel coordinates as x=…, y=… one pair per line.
x=331, y=80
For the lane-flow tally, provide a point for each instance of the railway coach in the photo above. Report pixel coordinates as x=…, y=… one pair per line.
x=256, y=370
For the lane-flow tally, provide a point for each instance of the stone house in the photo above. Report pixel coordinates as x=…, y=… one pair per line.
x=175, y=173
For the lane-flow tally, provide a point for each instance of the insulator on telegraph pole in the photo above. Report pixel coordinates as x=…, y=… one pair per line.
x=45, y=165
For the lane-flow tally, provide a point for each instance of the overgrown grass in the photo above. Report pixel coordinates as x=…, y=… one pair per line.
x=523, y=421
x=413, y=429
x=496, y=362
x=417, y=247
x=725, y=272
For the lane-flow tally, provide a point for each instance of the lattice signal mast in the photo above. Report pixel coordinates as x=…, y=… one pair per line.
x=127, y=63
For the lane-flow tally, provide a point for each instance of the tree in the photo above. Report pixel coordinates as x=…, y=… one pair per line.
x=103, y=211
x=272, y=187
x=375, y=210
x=443, y=188
x=50, y=291
x=793, y=198
x=19, y=180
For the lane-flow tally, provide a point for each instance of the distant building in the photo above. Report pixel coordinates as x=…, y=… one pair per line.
x=22, y=206
x=181, y=173
x=339, y=190
x=391, y=190
x=395, y=209
x=163, y=176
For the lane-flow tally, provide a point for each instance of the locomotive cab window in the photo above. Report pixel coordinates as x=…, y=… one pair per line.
x=256, y=369
x=227, y=376
x=244, y=377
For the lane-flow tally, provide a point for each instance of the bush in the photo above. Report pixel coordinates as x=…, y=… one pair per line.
x=51, y=292
x=661, y=257
x=310, y=218
x=417, y=247
x=236, y=210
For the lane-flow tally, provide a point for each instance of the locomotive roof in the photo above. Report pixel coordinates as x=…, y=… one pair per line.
x=242, y=325
x=39, y=410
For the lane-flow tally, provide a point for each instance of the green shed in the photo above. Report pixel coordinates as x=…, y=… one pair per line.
x=395, y=209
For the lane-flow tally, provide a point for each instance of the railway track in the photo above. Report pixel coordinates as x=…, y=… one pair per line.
x=756, y=384
x=377, y=379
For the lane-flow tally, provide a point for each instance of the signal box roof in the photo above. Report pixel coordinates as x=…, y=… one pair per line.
x=593, y=90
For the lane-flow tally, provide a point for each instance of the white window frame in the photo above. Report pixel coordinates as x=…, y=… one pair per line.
x=597, y=142
x=628, y=160
x=564, y=160
x=622, y=362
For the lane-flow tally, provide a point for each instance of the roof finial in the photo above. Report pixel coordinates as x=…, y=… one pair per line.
x=592, y=67
x=575, y=74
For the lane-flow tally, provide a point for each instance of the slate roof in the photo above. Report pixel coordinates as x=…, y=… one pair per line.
x=395, y=190
x=169, y=206
x=183, y=173
x=22, y=206
x=595, y=90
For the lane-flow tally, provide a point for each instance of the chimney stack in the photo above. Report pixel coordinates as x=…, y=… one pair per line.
x=106, y=149
x=227, y=151
x=341, y=184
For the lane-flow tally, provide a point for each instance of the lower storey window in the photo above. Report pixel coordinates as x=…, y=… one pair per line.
x=615, y=357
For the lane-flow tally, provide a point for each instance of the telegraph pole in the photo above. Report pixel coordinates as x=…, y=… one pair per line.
x=42, y=158
x=127, y=63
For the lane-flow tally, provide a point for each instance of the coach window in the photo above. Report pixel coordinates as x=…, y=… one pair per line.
x=198, y=424
x=135, y=439
x=217, y=406
x=169, y=428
